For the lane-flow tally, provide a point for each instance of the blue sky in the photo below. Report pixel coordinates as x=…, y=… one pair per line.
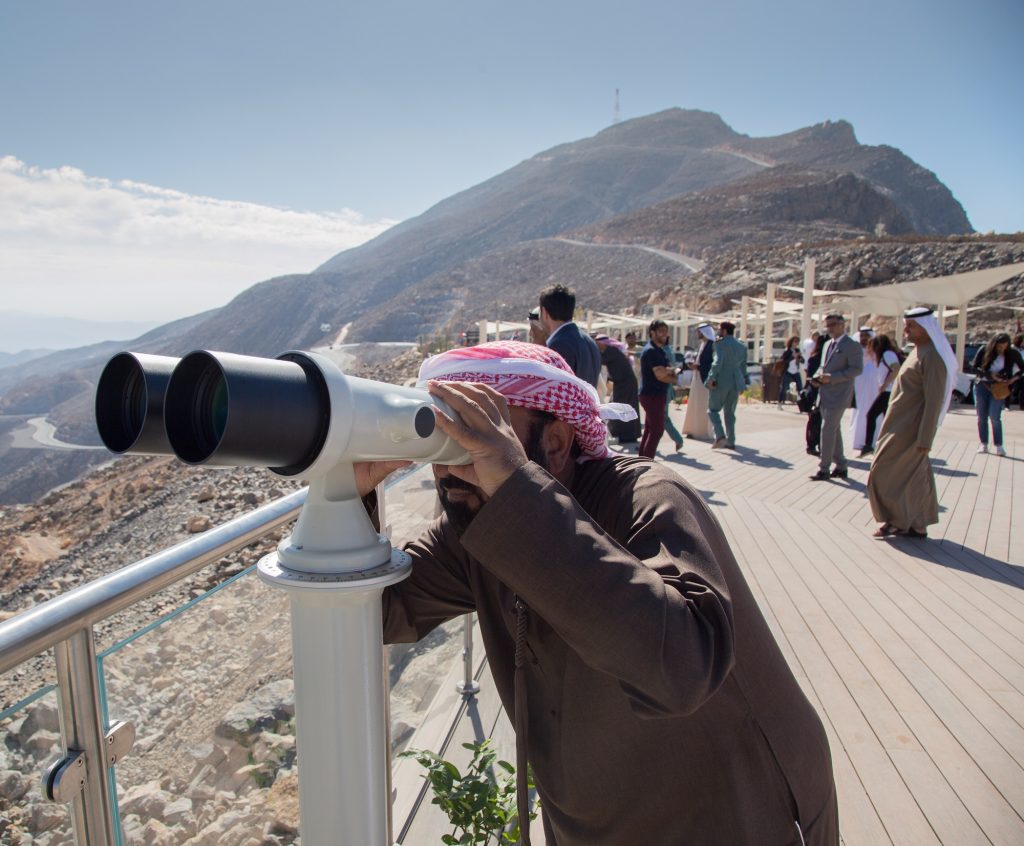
x=157, y=158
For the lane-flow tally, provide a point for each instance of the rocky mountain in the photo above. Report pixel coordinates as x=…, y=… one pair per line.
x=782, y=204
x=626, y=167
x=928, y=204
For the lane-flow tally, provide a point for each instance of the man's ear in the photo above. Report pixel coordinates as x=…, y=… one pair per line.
x=556, y=442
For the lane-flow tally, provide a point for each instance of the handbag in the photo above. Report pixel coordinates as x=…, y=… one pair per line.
x=999, y=390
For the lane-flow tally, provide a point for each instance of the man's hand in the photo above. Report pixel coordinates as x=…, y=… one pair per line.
x=369, y=474
x=484, y=430
x=924, y=449
x=825, y=378
x=713, y=384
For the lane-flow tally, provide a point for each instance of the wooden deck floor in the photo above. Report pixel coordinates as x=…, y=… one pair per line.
x=912, y=651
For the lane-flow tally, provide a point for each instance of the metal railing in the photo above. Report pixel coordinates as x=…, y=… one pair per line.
x=66, y=625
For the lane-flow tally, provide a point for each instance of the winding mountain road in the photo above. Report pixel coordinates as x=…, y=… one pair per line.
x=37, y=433
x=689, y=262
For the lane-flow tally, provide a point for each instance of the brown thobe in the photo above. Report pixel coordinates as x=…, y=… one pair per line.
x=660, y=710
x=901, y=485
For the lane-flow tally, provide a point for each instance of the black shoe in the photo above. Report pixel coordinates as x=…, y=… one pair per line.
x=864, y=453
x=838, y=474
x=820, y=476
x=812, y=451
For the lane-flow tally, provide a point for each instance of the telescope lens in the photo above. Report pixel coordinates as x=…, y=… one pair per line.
x=210, y=408
x=133, y=404
x=129, y=402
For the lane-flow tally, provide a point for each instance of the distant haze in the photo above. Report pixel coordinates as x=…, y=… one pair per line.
x=20, y=331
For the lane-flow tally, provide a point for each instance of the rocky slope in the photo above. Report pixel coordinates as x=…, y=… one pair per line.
x=780, y=205
x=861, y=263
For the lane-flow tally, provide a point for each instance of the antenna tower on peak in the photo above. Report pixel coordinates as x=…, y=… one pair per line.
x=615, y=112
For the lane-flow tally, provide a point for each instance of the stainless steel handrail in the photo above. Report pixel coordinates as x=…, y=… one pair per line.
x=44, y=626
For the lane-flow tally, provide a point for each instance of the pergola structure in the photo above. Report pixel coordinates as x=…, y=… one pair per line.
x=757, y=317
x=949, y=295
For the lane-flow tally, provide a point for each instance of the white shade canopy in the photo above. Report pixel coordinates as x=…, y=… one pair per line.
x=893, y=300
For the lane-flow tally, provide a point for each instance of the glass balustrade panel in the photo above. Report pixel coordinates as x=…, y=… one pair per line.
x=422, y=675
x=209, y=690
x=29, y=743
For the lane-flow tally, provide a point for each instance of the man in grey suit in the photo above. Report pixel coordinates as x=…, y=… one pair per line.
x=726, y=380
x=579, y=350
x=842, y=361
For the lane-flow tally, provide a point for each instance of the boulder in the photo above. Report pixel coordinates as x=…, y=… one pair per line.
x=267, y=709
x=197, y=524
x=157, y=833
x=147, y=800
x=42, y=743
x=13, y=785
x=45, y=816
x=43, y=716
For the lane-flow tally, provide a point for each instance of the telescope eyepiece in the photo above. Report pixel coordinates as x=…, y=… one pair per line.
x=130, y=402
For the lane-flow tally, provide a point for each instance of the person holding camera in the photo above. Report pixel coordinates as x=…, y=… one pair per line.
x=999, y=367
x=646, y=689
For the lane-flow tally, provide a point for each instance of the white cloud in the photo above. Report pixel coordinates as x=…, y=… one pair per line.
x=79, y=245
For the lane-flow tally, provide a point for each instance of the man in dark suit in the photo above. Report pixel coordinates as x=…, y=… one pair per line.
x=842, y=361
x=579, y=350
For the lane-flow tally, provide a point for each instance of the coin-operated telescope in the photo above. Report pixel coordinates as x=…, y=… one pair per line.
x=300, y=416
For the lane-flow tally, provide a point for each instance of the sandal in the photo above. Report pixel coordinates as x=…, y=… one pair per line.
x=886, y=530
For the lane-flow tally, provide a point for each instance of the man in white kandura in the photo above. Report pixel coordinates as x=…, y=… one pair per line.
x=901, y=485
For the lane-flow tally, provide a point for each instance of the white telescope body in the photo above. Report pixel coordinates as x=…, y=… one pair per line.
x=301, y=416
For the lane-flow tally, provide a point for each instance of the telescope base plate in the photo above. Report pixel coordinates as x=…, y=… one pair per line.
x=271, y=571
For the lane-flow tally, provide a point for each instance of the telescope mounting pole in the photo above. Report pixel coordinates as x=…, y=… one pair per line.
x=335, y=567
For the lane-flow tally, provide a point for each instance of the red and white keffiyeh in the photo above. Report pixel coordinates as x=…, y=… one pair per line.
x=534, y=377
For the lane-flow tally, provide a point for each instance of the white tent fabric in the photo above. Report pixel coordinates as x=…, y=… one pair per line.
x=892, y=300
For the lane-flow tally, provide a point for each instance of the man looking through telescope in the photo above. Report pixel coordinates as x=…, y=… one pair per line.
x=646, y=689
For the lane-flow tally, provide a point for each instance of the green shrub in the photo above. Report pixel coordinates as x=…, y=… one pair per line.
x=479, y=804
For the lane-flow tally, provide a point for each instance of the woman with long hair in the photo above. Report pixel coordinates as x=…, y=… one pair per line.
x=998, y=366
x=887, y=364
x=792, y=358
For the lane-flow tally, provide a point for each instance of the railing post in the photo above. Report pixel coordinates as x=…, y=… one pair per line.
x=469, y=686
x=82, y=729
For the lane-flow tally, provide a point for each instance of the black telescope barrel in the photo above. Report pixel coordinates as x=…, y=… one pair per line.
x=130, y=403
x=240, y=410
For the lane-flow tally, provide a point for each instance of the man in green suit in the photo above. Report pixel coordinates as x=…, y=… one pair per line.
x=726, y=381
